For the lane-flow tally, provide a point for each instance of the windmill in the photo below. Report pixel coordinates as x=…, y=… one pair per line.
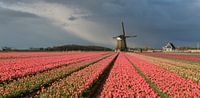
x=121, y=40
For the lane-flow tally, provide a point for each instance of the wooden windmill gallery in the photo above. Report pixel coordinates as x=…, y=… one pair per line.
x=121, y=40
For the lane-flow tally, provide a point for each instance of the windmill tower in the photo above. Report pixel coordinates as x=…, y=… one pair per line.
x=121, y=40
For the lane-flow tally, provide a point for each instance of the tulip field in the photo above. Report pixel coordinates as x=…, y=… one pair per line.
x=177, y=56
x=98, y=75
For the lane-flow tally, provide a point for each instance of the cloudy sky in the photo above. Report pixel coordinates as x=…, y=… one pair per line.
x=43, y=23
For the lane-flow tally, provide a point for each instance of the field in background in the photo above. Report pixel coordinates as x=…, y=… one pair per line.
x=99, y=74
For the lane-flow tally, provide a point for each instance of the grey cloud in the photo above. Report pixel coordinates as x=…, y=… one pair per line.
x=24, y=30
x=72, y=18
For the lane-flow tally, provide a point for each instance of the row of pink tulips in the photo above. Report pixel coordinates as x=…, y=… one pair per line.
x=125, y=82
x=186, y=57
x=185, y=70
x=8, y=55
x=29, y=83
x=76, y=83
x=35, y=60
x=170, y=83
x=23, y=67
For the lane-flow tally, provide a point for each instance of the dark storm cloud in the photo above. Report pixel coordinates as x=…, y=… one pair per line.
x=154, y=21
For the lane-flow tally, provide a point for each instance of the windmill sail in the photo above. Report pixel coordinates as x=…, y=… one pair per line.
x=123, y=32
x=131, y=36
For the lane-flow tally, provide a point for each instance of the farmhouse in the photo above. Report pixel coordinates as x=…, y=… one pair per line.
x=169, y=47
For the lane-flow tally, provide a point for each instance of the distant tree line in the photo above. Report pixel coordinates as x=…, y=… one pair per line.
x=62, y=48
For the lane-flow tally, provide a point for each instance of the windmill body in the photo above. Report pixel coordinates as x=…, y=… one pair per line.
x=121, y=41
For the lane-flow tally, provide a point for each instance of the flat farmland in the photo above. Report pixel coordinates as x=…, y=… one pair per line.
x=99, y=75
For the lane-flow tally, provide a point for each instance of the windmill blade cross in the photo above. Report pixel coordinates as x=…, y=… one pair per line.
x=131, y=36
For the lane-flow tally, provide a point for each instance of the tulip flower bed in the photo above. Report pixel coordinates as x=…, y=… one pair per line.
x=16, y=55
x=29, y=84
x=170, y=83
x=77, y=82
x=185, y=70
x=21, y=67
x=96, y=74
x=186, y=57
x=125, y=82
x=28, y=60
